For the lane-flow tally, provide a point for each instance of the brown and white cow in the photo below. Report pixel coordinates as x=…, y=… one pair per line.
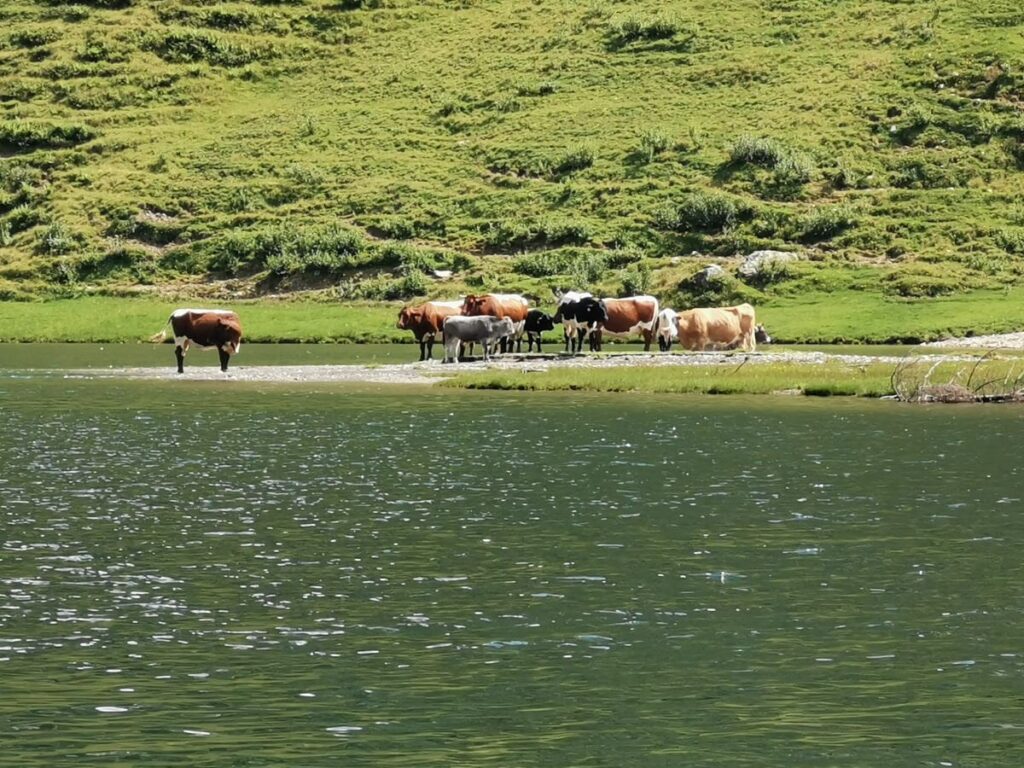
x=626, y=317
x=500, y=305
x=209, y=328
x=718, y=327
x=426, y=321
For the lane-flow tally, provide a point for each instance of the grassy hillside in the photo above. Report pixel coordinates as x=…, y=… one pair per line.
x=354, y=146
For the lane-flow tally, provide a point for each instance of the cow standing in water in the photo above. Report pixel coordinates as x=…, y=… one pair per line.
x=500, y=305
x=218, y=328
x=426, y=321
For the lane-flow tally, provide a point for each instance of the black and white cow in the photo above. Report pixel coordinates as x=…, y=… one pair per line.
x=579, y=312
x=536, y=323
x=486, y=329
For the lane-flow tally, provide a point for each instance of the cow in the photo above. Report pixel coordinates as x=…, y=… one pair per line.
x=718, y=327
x=666, y=329
x=536, y=323
x=425, y=322
x=510, y=305
x=636, y=314
x=578, y=312
x=761, y=335
x=208, y=328
x=486, y=329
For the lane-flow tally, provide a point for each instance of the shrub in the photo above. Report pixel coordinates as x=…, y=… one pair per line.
x=20, y=134
x=545, y=88
x=827, y=221
x=653, y=142
x=636, y=28
x=241, y=199
x=703, y=211
x=104, y=47
x=914, y=286
x=23, y=217
x=1011, y=240
x=752, y=150
x=191, y=46
x=285, y=249
x=546, y=263
x=389, y=289
x=794, y=168
x=718, y=289
x=394, y=227
x=549, y=231
x=57, y=239
x=34, y=37
x=586, y=271
x=576, y=159
x=636, y=280
x=923, y=172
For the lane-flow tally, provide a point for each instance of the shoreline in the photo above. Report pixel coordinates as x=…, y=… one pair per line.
x=525, y=371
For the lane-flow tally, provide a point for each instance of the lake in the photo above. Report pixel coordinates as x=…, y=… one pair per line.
x=222, y=573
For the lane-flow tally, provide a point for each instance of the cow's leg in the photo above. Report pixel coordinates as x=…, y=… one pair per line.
x=423, y=348
x=180, y=348
x=224, y=357
x=648, y=336
x=430, y=347
x=578, y=346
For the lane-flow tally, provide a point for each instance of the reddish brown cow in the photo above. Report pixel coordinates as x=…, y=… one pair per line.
x=637, y=314
x=426, y=321
x=500, y=305
x=218, y=328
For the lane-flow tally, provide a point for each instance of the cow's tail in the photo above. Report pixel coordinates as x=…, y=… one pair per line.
x=156, y=338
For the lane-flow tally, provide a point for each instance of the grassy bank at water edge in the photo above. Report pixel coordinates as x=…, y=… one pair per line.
x=815, y=318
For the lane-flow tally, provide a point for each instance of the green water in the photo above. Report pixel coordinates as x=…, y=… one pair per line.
x=271, y=575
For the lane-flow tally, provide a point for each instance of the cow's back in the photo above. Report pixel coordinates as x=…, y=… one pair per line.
x=435, y=313
x=636, y=313
x=205, y=327
x=710, y=325
x=510, y=305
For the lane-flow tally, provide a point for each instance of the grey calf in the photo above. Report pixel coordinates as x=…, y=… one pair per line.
x=486, y=329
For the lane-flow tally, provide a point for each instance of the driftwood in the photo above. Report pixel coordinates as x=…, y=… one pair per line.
x=912, y=383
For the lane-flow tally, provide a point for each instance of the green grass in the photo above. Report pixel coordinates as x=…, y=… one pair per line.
x=752, y=378
x=287, y=146
x=983, y=377
x=808, y=318
x=107, y=319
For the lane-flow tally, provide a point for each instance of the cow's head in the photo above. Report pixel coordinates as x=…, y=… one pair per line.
x=473, y=305
x=231, y=335
x=408, y=317
x=592, y=310
x=761, y=335
x=542, y=320
x=668, y=327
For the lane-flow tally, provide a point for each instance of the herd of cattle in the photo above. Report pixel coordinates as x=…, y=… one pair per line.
x=500, y=320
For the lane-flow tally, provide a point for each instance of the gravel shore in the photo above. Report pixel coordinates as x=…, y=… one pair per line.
x=431, y=372
x=995, y=341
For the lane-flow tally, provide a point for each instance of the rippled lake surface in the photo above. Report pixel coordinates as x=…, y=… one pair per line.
x=253, y=575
